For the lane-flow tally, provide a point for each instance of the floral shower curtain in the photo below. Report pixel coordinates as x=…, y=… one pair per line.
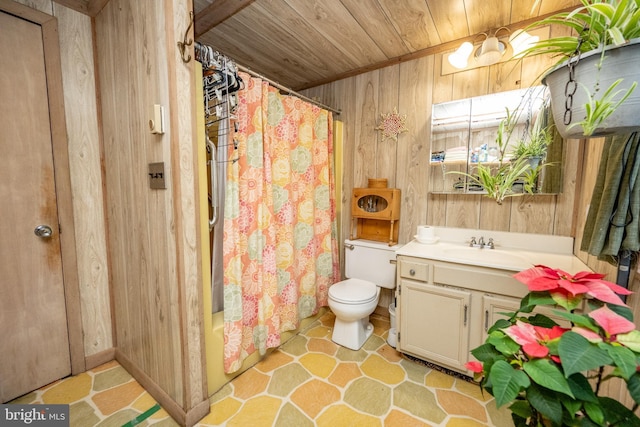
x=280, y=247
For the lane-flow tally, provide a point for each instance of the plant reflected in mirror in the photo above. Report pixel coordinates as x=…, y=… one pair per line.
x=475, y=144
x=517, y=170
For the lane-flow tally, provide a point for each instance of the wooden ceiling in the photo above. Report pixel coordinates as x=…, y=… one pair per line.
x=304, y=43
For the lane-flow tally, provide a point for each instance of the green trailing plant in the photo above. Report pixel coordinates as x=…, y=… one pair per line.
x=552, y=375
x=597, y=24
x=499, y=182
x=597, y=110
x=506, y=128
x=530, y=179
x=535, y=145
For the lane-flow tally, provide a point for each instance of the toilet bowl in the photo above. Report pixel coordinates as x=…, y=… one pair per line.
x=368, y=267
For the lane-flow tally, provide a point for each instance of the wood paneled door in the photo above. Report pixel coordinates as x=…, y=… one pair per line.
x=35, y=344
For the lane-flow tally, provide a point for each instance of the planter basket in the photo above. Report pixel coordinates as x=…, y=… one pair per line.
x=620, y=62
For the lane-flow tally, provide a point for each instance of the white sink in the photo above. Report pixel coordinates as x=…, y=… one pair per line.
x=486, y=256
x=513, y=251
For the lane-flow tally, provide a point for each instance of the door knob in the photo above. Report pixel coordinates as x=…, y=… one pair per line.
x=43, y=231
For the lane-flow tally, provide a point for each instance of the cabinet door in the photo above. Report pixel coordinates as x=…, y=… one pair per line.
x=493, y=305
x=434, y=323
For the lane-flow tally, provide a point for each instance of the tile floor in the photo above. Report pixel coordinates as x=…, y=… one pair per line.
x=106, y=396
x=308, y=381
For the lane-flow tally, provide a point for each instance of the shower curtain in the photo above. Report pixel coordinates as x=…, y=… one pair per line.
x=280, y=247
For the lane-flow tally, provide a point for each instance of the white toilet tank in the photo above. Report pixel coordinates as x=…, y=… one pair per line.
x=370, y=261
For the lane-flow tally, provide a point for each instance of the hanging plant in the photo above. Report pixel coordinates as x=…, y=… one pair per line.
x=597, y=71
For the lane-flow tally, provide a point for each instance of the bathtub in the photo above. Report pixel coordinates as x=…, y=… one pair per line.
x=216, y=377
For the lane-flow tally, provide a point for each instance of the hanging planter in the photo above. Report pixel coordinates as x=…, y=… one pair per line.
x=593, y=90
x=591, y=85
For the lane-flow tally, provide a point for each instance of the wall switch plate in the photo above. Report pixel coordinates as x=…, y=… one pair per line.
x=156, y=123
x=157, y=176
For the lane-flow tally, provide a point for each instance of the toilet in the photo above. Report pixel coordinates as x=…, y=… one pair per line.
x=368, y=268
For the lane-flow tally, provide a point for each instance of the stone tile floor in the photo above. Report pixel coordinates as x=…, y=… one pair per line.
x=105, y=396
x=308, y=381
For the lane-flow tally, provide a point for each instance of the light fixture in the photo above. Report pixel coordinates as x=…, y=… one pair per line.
x=520, y=41
x=460, y=57
x=490, y=52
x=492, y=49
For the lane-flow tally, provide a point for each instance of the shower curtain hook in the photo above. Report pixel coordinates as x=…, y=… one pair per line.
x=185, y=43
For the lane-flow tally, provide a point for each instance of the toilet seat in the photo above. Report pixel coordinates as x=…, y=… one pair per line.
x=353, y=291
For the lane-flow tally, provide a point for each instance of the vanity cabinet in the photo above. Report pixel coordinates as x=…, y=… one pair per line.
x=492, y=308
x=444, y=309
x=441, y=333
x=494, y=305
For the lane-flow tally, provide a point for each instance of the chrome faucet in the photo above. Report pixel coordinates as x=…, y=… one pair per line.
x=481, y=244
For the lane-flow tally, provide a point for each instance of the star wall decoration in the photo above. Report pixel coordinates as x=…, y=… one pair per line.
x=392, y=125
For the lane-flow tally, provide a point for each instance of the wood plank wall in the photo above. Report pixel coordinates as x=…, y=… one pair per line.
x=153, y=239
x=182, y=95
x=141, y=266
x=413, y=87
x=78, y=73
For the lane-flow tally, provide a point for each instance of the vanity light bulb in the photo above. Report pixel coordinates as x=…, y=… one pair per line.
x=460, y=57
x=520, y=41
x=490, y=52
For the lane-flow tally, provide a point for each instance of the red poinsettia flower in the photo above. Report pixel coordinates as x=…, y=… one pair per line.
x=532, y=338
x=474, y=366
x=542, y=278
x=611, y=322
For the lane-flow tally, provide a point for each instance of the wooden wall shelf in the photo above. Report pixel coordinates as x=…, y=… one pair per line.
x=374, y=213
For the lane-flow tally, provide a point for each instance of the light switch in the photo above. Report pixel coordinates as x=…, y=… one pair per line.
x=157, y=176
x=156, y=124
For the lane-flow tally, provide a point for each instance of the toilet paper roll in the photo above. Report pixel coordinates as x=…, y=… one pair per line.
x=425, y=232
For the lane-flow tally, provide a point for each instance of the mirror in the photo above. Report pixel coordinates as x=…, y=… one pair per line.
x=464, y=134
x=372, y=203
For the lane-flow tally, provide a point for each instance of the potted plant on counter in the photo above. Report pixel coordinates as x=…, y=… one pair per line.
x=598, y=68
x=551, y=375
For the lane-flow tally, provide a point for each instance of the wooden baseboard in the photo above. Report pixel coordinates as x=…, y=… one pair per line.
x=182, y=417
x=197, y=413
x=101, y=358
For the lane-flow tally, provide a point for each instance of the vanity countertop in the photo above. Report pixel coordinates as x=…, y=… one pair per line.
x=513, y=251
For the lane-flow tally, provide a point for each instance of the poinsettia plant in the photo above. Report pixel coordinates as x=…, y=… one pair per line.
x=551, y=374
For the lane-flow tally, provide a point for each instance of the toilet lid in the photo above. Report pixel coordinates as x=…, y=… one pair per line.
x=353, y=291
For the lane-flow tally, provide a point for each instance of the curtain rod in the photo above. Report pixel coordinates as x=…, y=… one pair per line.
x=286, y=89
